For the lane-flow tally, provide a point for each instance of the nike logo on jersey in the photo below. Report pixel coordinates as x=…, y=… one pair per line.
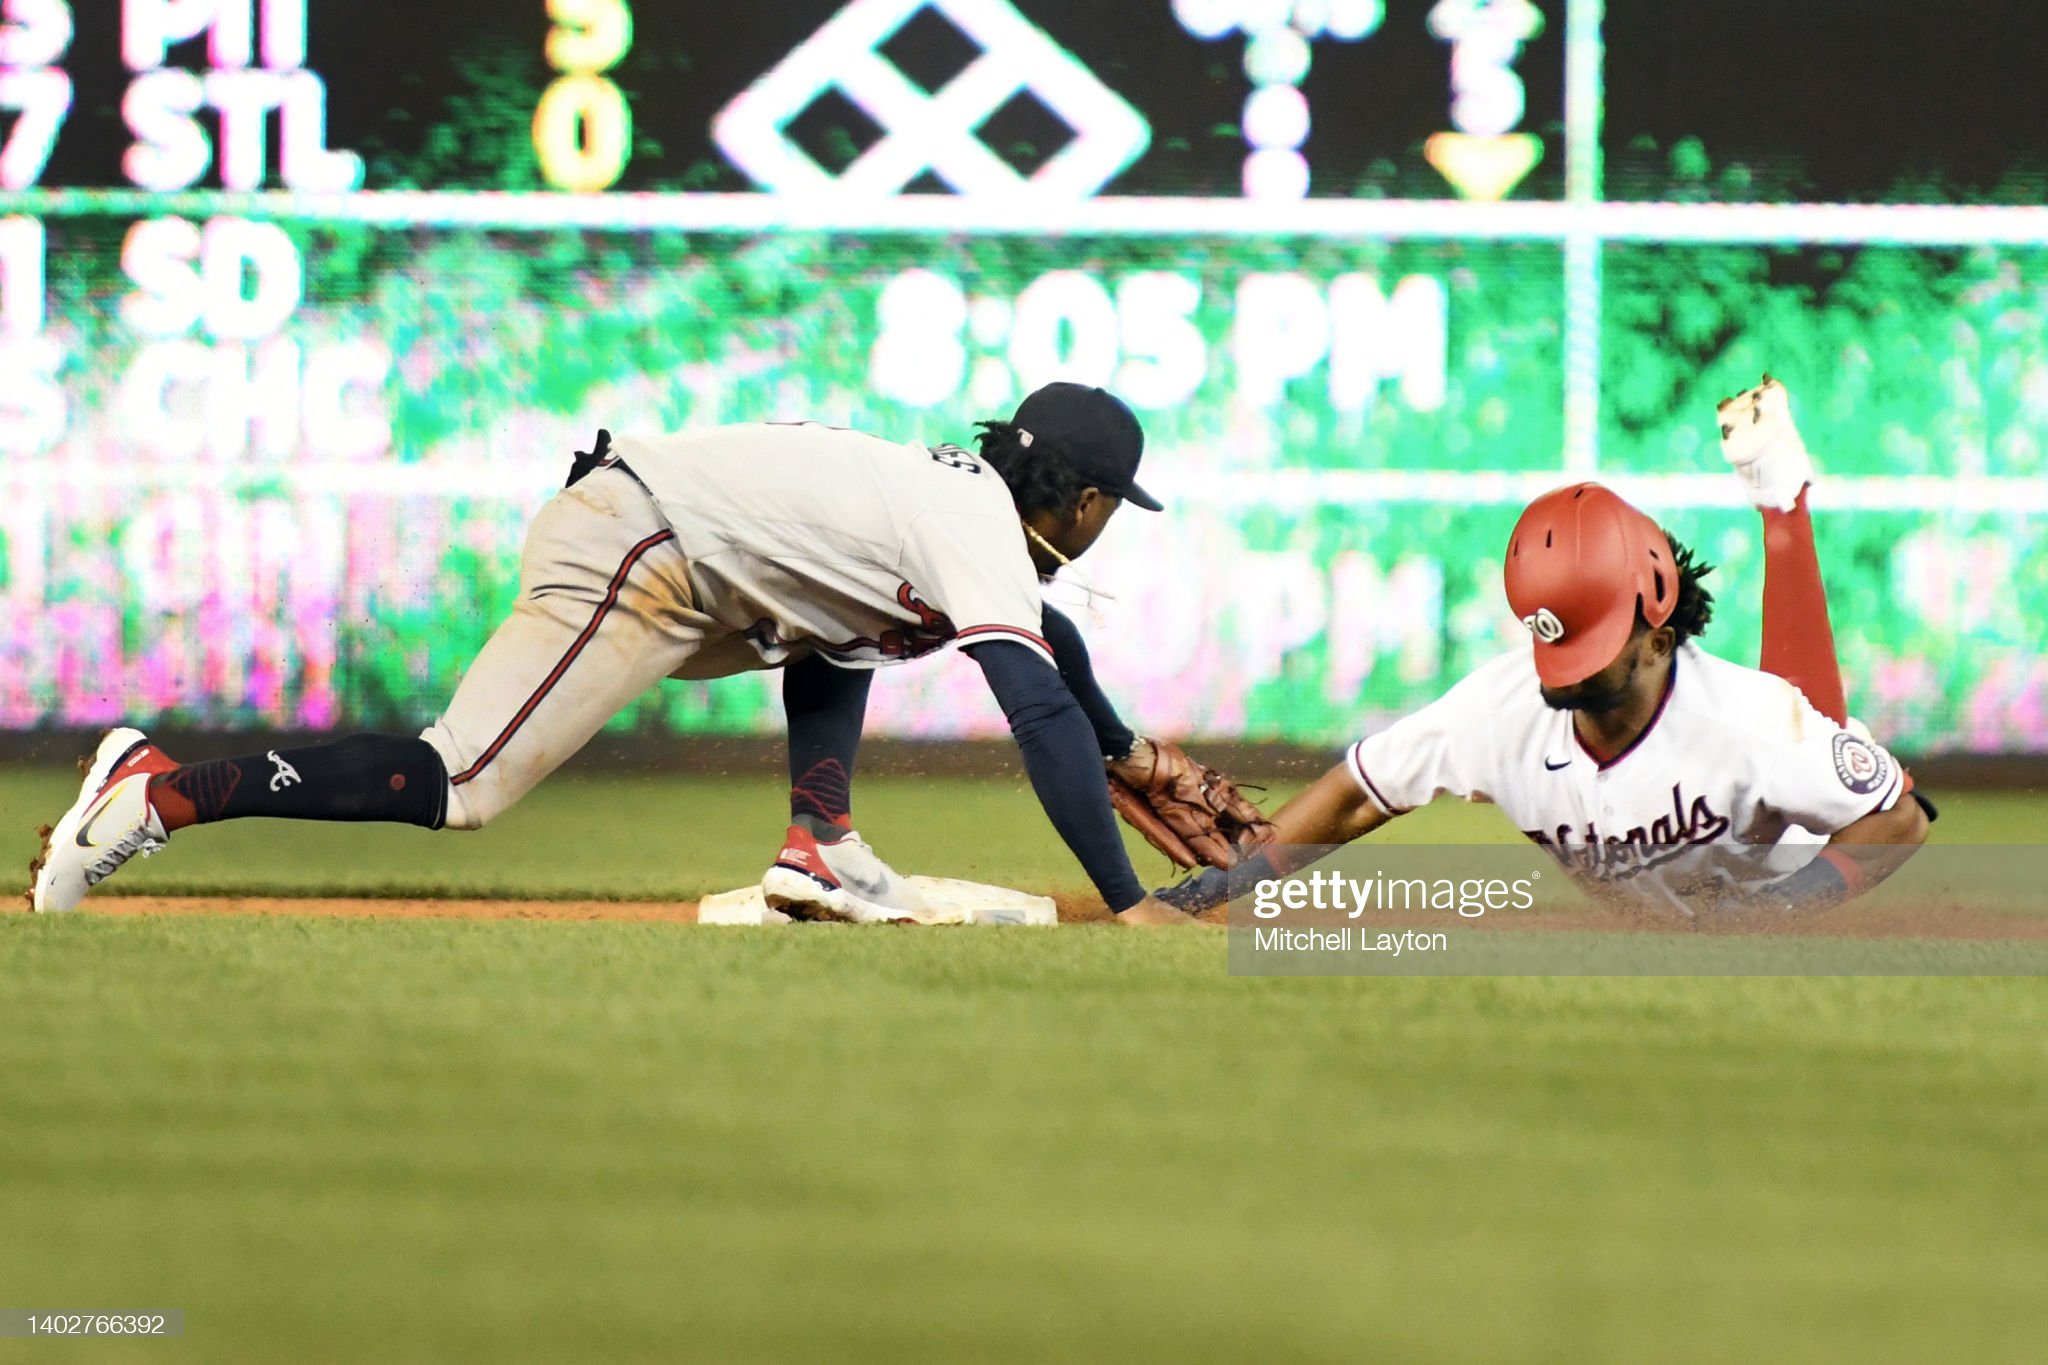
x=1556, y=766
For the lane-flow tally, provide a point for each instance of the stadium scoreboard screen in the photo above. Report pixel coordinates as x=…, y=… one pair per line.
x=303, y=306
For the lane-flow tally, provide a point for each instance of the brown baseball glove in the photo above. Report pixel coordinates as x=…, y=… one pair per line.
x=1192, y=814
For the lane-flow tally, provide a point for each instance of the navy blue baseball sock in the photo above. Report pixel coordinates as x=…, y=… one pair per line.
x=364, y=777
x=826, y=707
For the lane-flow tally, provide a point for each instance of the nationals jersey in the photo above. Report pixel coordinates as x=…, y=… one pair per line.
x=807, y=538
x=1732, y=759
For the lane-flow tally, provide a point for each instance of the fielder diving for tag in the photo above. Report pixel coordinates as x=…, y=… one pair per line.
x=1653, y=771
x=821, y=551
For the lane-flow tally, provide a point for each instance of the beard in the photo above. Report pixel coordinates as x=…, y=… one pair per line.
x=1590, y=697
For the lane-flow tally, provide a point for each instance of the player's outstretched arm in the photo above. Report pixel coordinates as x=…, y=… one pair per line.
x=1900, y=830
x=1858, y=856
x=1334, y=810
x=1070, y=652
x=1066, y=772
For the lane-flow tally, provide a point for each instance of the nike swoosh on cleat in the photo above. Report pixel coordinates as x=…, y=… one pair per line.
x=134, y=755
x=86, y=828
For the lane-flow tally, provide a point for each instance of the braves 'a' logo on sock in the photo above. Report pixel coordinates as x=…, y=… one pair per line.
x=825, y=790
x=285, y=776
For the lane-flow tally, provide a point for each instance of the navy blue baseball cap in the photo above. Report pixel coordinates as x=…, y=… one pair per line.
x=1094, y=430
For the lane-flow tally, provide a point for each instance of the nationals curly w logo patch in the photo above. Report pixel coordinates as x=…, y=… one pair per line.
x=1861, y=766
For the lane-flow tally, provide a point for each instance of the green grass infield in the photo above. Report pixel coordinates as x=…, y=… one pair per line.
x=511, y=1141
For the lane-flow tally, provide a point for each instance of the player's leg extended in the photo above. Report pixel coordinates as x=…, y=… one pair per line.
x=1760, y=440
x=605, y=611
x=134, y=796
x=598, y=620
x=602, y=614
x=1798, y=639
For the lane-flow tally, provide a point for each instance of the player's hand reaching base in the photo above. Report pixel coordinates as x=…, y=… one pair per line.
x=1152, y=913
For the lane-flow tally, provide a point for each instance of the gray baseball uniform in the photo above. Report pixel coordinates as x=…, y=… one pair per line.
x=709, y=553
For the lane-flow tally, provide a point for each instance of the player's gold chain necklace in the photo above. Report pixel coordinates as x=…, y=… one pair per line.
x=1042, y=543
x=1065, y=563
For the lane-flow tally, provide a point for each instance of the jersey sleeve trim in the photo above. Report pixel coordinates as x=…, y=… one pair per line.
x=1895, y=789
x=1365, y=782
x=979, y=634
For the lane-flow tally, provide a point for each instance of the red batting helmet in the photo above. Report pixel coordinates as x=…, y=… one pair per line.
x=1579, y=563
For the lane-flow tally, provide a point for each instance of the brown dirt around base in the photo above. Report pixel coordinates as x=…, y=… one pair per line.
x=1072, y=909
x=1931, y=922
x=674, y=912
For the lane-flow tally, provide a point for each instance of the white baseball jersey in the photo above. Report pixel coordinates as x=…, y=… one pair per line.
x=808, y=538
x=1732, y=757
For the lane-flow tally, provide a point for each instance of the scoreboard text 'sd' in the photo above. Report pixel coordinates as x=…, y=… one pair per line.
x=302, y=301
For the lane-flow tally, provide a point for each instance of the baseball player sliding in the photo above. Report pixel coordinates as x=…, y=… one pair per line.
x=1649, y=768
x=821, y=551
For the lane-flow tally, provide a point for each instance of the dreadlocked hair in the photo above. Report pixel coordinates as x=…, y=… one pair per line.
x=1695, y=606
x=1039, y=480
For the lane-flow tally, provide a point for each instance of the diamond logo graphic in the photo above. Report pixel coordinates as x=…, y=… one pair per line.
x=937, y=131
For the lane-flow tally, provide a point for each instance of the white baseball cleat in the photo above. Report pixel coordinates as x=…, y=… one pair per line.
x=842, y=881
x=110, y=823
x=1759, y=439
